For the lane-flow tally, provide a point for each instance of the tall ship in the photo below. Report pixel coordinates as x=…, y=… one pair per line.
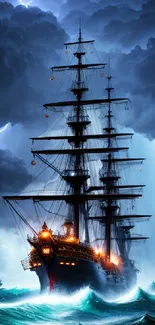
x=85, y=236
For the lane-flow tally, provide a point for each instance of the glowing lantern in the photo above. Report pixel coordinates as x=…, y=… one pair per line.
x=46, y=250
x=33, y=162
x=52, y=78
x=46, y=115
x=45, y=233
x=34, y=264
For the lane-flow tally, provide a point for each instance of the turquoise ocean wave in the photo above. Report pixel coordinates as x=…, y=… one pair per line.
x=27, y=307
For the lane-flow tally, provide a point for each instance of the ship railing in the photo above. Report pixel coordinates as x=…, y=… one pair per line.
x=86, y=244
x=106, y=174
x=26, y=263
x=76, y=172
x=31, y=261
x=75, y=254
x=32, y=239
x=80, y=119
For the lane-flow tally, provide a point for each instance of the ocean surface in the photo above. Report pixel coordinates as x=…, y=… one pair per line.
x=27, y=307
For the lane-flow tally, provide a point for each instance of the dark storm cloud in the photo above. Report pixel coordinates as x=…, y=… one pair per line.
x=90, y=7
x=6, y=9
x=149, y=6
x=13, y=2
x=86, y=6
x=138, y=82
x=71, y=21
x=101, y=21
x=132, y=3
x=101, y=17
x=13, y=173
x=34, y=15
x=53, y=5
x=129, y=34
x=29, y=39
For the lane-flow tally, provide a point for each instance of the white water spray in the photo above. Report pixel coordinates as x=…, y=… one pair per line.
x=52, y=299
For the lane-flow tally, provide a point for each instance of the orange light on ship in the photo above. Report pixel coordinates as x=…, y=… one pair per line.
x=70, y=238
x=99, y=251
x=114, y=259
x=45, y=234
x=46, y=250
x=34, y=264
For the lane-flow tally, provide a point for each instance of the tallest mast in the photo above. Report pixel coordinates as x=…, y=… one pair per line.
x=78, y=176
x=78, y=132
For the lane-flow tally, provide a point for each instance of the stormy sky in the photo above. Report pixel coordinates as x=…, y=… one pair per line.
x=31, y=40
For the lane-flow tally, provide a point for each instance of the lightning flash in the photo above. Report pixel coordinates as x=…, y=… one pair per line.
x=26, y=4
x=4, y=128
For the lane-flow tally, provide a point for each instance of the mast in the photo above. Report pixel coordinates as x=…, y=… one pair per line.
x=110, y=186
x=110, y=178
x=78, y=123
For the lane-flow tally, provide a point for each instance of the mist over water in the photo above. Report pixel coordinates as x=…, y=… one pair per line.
x=25, y=306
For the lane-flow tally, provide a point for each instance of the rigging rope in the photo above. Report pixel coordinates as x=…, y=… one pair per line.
x=21, y=217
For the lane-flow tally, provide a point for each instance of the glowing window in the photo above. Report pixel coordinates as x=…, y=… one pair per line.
x=46, y=250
